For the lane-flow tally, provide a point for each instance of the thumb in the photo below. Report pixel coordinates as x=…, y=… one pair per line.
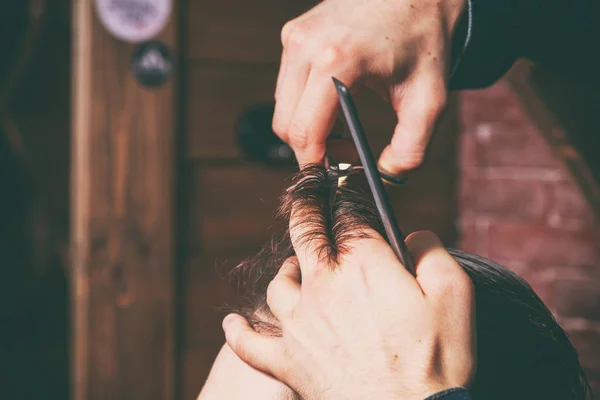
x=418, y=108
x=260, y=352
x=439, y=275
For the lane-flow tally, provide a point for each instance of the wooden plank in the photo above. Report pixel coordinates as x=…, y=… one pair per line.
x=235, y=30
x=218, y=95
x=206, y=299
x=231, y=208
x=122, y=221
x=240, y=30
x=428, y=202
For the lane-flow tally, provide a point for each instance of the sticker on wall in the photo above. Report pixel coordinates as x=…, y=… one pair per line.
x=134, y=21
x=151, y=63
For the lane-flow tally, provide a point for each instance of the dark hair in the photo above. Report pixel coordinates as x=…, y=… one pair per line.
x=522, y=352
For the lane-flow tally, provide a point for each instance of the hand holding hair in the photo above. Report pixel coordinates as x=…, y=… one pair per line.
x=360, y=326
x=338, y=312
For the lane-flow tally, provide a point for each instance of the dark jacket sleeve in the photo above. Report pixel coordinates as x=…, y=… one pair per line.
x=457, y=393
x=562, y=35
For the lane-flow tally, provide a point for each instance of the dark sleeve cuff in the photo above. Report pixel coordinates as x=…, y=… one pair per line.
x=484, y=44
x=561, y=35
x=457, y=393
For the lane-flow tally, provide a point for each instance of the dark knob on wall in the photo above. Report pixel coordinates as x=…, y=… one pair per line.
x=257, y=139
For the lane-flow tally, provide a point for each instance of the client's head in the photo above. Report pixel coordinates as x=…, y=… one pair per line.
x=522, y=352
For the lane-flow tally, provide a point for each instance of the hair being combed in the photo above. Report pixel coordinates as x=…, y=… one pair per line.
x=328, y=226
x=523, y=353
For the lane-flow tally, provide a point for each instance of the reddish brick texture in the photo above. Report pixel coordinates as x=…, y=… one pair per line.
x=519, y=206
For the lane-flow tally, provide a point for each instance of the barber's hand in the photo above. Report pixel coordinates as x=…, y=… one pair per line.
x=400, y=48
x=366, y=328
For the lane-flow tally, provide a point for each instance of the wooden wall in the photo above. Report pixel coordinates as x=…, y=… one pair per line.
x=122, y=217
x=226, y=203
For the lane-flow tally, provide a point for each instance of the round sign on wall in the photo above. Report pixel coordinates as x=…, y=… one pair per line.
x=134, y=21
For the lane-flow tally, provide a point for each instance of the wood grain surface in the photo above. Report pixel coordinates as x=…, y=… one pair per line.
x=122, y=220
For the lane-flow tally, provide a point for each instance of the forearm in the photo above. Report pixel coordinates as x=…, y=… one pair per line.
x=562, y=35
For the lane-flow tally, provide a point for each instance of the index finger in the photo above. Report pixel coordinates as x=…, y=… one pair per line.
x=306, y=205
x=308, y=237
x=313, y=118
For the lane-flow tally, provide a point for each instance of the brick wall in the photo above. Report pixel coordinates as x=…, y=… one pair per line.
x=519, y=207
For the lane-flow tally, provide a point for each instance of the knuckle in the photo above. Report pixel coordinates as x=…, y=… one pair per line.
x=291, y=261
x=414, y=160
x=454, y=283
x=289, y=268
x=287, y=29
x=241, y=348
x=411, y=161
x=272, y=291
x=464, y=285
x=294, y=34
x=443, y=284
x=339, y=53
x=438, y=102
x=330, y=56
x=233, y=339
x=279, y=127
x=298, y=136
x=434, y=99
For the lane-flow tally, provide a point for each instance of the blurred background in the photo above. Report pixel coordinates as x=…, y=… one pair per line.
x=126, y=194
